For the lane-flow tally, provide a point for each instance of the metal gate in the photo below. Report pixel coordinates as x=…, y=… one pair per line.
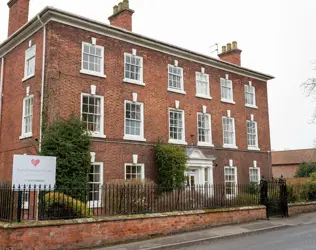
x=273, y=195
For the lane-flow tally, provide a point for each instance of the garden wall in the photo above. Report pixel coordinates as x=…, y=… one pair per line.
x=304, y=207
x=91, y=232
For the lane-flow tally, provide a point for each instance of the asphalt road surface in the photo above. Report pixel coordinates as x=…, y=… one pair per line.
x=292, y=238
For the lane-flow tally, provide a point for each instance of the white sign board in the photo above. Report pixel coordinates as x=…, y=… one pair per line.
x=33, y=170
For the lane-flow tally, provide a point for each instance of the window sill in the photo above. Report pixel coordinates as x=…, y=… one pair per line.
x=251, y=106
x=230, y=146
x=253, y=149
x=204, y=96
x=92, y=73
x=228, y=101
x=28, y=77
x=131, y=138
x=126, y=80
x=98, y=136
x=177, y=142
x=204, y=144
x=178, y=91
x=25, y=136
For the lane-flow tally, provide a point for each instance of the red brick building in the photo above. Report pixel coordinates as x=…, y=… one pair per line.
x=285, y=163
x=131, y=90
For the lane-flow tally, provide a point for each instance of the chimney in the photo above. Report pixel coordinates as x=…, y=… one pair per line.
x=122, y=16
x=231, y=53
x=18, y=14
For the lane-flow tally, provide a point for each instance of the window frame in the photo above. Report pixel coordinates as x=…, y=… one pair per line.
x=134, y=137
x=26, y=76
x=236, y=181
x=231, y=101
x=142, y=165
x=234, y=145
x=25, y=135
x=200, y=143
x=128, y=80
x=251, y=147
x=208, y=95
x=175, y=90
x=101, y=133
x=90, y=72
x=97, y=203
x=174, y=141
x=254, y=105
x=258, y=174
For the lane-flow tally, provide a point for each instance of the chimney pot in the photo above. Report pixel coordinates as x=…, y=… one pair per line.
x=120, y=6
x=223, y=49
x=125, y=4
x=115, y=9
x=234, y=44
x=229, y=46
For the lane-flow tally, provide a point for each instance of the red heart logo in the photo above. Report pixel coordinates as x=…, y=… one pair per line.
x=35, y=162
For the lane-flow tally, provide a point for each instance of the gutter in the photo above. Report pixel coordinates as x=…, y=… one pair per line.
x=42, y=83
x=1, y=85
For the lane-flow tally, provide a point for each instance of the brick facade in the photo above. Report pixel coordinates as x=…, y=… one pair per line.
x=64, y=84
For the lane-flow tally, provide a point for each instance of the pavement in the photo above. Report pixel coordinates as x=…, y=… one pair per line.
x=217, y=233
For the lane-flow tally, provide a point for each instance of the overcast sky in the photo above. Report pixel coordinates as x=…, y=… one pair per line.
x=277, y=37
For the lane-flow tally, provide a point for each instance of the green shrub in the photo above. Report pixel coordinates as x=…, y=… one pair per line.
x=245, y=199
x=293, y=193
x=308, y=191
x=69, y=141
x=305, y=169
x=171, y=161
x=62, y=201
x=252, y=188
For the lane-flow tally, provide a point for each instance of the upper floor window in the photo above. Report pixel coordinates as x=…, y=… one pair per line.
x=29, y=69
x=175, y=79
x=230, y=176
x=250, y=96
x=27, y=117
x=204, y=130
x=92, y=59
x=134, y=121
x=229, y=135
x=202, y=85
x=95, y=184
x=176, y=126
x=133, y=69
x=134, y=172
x=252, y=135
x=227, y=90
x=92, y=113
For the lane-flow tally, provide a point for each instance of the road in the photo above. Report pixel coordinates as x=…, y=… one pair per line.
x=293, y=238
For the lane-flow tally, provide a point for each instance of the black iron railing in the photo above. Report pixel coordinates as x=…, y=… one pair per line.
x=49, y=203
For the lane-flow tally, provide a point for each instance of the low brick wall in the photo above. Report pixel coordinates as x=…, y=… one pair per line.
x=299, y=208
x=91, y=232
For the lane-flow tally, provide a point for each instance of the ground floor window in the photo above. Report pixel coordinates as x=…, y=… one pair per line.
x=95, y=184
x=134, y=172
x=254, y=175
x=230, y=174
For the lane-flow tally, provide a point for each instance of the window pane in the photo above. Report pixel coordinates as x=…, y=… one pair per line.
x=91, y=113
x=176, y=125
x=175, y=77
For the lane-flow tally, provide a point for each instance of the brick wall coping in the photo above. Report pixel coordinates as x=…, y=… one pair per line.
x=302, y=203
x=28, y=224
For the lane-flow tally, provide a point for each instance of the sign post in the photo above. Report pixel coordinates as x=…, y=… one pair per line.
x=36, y=172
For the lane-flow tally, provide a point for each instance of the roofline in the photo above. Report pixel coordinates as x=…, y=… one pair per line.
x=290, y=150
x=52, y=14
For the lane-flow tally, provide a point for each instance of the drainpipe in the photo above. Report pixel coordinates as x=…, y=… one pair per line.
x=269, y=165
x=43, y=81
x=1, y=85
